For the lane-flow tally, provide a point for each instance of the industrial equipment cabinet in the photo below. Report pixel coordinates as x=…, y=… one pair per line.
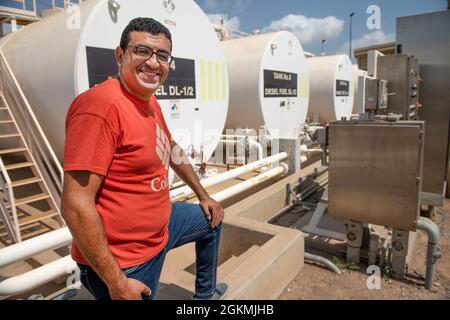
x=375, y=172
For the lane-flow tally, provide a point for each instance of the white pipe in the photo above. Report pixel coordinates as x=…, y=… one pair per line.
x=259, y=149
x=322, y=260
x=304, y=148
x=240, y=187
x=28, y=248
x=185, y=192
x=177, y=184
x=433, y=249
x=37, y=277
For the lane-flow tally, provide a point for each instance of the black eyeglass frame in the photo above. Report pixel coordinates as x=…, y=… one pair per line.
x=169, y=56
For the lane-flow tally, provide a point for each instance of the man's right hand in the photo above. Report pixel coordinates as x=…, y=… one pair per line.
x=129, y=289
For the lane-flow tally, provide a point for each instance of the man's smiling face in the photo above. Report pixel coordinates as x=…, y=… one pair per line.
x=140, y=76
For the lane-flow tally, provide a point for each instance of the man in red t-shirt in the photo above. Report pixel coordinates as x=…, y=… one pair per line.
x=116, y=198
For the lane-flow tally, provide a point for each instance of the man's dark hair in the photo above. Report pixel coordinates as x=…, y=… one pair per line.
x=143, y=25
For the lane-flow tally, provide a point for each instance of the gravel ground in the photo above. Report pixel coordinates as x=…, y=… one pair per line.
x=315, y=282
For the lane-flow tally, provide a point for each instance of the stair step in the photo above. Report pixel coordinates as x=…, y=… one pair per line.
x=30, y=210
x=9, y=135
x=12, y=150
x=43, y=258
x=33, y=198
x=36, y=233
x=6, y=121
x=19, y=165
x=38, y=217
x=25, y=209
x=24, y=182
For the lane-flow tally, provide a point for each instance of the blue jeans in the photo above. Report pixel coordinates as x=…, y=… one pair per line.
x=187, y=224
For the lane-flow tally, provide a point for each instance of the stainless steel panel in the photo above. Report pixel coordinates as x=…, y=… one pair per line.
x=427, y=37
x=382, y=94
x=401, y=71
x=375, y=95
x=371, y=95
x=375, y=170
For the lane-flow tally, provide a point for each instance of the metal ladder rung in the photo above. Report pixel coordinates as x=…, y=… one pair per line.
x=25, y=227
x=3, y=108
x=37, y=217
x=19, y=165
x=41, y=229
x=36, y=233
x=12, y=150
x=24, y=182
x=33, y=198
x=9, y=135
x=6, y=121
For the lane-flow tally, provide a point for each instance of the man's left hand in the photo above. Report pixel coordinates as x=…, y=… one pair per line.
x=213, y=211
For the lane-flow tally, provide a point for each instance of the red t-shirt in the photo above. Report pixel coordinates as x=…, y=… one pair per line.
x=125, y=139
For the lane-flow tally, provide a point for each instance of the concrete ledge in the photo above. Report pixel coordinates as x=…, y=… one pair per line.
x=257, y=261
x=267, y=273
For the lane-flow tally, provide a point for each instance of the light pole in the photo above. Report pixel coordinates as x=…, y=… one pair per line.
x=350, y=41
x=321, y=51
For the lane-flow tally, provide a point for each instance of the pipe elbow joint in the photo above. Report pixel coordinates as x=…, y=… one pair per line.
x=437, y=254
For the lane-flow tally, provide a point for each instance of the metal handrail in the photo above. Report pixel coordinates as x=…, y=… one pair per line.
x=52, y=5
x=37, y=143
x=6, y=184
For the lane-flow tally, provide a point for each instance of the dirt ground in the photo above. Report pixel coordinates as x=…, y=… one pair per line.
x=315, y=282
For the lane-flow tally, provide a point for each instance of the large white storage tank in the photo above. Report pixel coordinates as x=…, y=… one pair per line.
x=269, y=83
x=331, y=88
x=59, y=57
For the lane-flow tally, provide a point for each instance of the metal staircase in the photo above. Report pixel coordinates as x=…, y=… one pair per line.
x=30, y=174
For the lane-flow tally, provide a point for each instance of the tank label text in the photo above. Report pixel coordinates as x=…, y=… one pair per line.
x=280, y=84
x=342, y=88
x=180, y=83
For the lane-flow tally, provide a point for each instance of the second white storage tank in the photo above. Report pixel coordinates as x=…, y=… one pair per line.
x=331, y=88
x=269, y=83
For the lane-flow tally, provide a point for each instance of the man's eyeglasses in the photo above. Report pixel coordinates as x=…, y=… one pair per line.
x=146, y=53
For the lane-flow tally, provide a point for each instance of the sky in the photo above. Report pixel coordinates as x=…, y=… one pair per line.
x=316, y=20
x=311, y=20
